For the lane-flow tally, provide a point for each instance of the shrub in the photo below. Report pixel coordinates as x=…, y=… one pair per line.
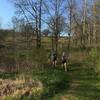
x=93, y=59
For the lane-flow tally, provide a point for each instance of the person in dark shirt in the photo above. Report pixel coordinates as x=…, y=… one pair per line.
x=54, y=58
x=64, y=60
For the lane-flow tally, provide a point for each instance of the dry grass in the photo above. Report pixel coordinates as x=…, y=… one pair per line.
x=22, y=86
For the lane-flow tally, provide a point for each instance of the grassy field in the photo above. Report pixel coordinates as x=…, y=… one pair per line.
x=79, y=83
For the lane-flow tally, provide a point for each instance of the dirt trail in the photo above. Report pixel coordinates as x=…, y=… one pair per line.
x=83, y=84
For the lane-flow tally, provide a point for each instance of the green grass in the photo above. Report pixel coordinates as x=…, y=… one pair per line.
x=84, y=84
x=54, y=81
x=8, y=75
x=79, y=83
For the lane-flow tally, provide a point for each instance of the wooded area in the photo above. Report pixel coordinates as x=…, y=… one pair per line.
x=39, y=28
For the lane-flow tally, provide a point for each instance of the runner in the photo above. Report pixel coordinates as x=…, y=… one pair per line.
x=54, y=58
x=64, y=61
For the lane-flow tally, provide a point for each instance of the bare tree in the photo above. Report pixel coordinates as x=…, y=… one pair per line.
x=55, y=10
x=31, y=11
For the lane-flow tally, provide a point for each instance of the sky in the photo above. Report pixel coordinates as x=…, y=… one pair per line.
x=6, y=13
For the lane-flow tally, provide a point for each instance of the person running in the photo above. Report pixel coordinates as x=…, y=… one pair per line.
x=54, y=58
x=64, y=61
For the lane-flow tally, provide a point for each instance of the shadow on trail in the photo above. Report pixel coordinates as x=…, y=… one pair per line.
x=84, y=82
x=54, y=80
